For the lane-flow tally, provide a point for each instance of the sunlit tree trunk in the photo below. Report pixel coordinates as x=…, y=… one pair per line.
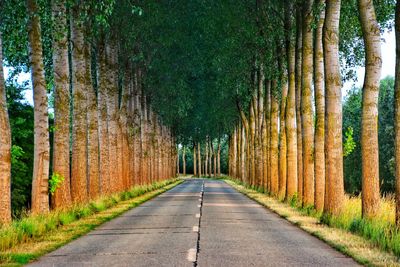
x=206, y=159
x=137, y=128
x=123, y=120
x=369, y=118
x=219, y=158
x=333, y=110
x=79, y=190
x=199, y=158
x=41, y=154
x=210, y=157
x=260, y=118
x=112, y=115
x=102, y=112
x=268, y=134
x=298, y=70
x=282, y=125
x=274, y=139
x=194, y=161
x=290, y=124
x=184, y=160
x=319, y=89
x=61, y=143
x=5, y=149
x=397, y=113
x=307, y=121
x=92, y=130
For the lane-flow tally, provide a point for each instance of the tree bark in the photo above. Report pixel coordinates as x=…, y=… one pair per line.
x=199, y=158
x=92, y=130
x=307, y=122
x=41, y=155
x=61, y=143
x=320, y=113
x=333, y=111
x=102, y=112
x=299, y=52
x=184, y=160
x=291, y=135
x=274, y=139
x=194, y=161
x=397, y=112
x=79, y=184
x=5, y=149
x=282, y=125
x=369, y=118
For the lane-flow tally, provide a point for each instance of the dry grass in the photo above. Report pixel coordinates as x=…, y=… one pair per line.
x=29, y=238
x=371, y=243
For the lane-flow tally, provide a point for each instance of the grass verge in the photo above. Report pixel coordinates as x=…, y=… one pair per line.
x=342, y=233
x=29, y=238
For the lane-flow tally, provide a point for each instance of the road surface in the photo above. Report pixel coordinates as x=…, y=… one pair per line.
x=198, y=223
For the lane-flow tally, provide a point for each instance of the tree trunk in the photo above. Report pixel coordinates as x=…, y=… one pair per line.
x=219, y=158
x=41, y=155
x=92, y=130
x=369, y=118
x=206, y=159
x=112, y=115
x=307, y=121
x=102, y=112
x=194, y=161
x=333, y=111
x=79, y=190
x=299, y=55
x=184, y=160
x=397, y=113
x=282, y=125
x=5, y=149
x=291, y=135
x=268, y=134
x=61, y=149
x=274, y=139
x=319, y=88
x=210, y=157
x=199, y=158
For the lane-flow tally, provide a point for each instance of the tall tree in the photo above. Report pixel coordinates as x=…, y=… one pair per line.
x=369, y=120
x=291, y=135
x=79, y=183
x=319, y=146
x=61, y=143
x=397, y=112
x=307, y=122
x=40, y=182
x=333, y=110
x=5, y=149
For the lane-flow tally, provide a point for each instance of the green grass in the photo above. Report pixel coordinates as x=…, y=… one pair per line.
x=381, y=231
x=31, y=237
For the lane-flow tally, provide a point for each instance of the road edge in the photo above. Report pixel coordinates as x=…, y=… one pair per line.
x=17, y=256
x=345, y=242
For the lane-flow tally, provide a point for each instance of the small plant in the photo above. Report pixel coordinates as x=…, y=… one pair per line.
x=55, y=182
x=349, y=145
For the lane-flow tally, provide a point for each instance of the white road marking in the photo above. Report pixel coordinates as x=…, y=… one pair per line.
x=191, y=255
x=195, y=228
x=197, y=215
x=199, y=199
x=199, y=206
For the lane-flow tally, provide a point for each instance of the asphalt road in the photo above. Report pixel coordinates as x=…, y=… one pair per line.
x=198, y=223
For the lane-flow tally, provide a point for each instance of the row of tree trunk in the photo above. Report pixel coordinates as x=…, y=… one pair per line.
x=207, y=161
x=106, y=136
x=277, y=145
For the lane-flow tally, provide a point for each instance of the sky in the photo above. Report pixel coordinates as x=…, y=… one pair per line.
x=388, y=61
x=388, y=66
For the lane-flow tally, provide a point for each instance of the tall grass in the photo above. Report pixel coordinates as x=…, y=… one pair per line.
x=34, y=227
x=381, y=231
